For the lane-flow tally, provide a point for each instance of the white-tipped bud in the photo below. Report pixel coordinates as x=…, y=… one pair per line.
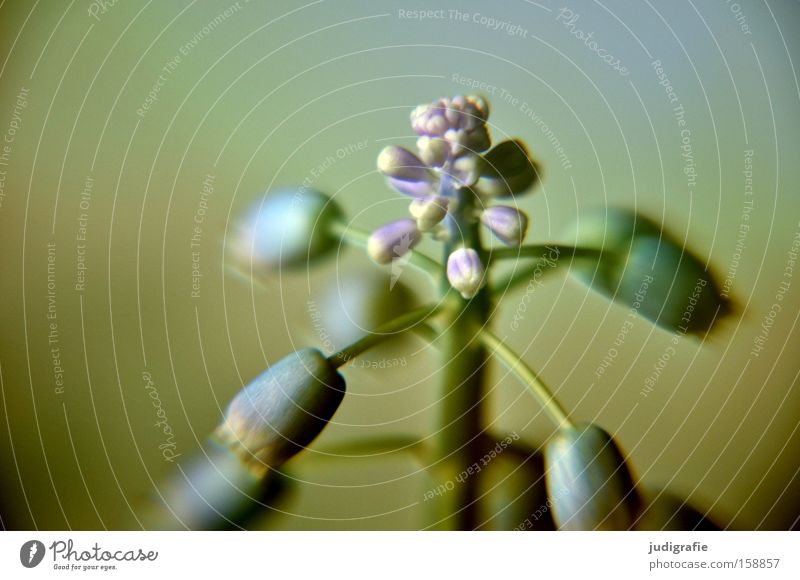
x=400, y=163
x=433, y=150
x=393, y=240
x=466, y=169
x=429, y=211
x=465, y=272
x=508, y=223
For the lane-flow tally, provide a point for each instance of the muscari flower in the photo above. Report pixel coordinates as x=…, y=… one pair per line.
x=393, y=240
x=459, y=123
x=509, y=224
x=449, y=166
x=428, y=212
x=465, y=271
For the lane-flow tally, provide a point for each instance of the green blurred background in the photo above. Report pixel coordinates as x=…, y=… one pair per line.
x=250, y=96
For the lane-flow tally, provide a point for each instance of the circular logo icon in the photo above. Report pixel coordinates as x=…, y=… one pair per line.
x=31, y=553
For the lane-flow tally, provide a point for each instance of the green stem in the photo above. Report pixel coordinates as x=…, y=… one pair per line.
x=463, y=362
x=542, y=254
x=387, y=331
x=460, y=423
x=418, y=260
x=539, y=251
x=373, y=446
x=527, y=376
x=428, y=333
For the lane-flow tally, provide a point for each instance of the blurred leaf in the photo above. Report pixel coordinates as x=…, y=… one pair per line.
x=513, y=494
x=214, y=490
x=643, y=268
x=373, y=446
x=666, y=512
x=355, y=303
x=506, y=170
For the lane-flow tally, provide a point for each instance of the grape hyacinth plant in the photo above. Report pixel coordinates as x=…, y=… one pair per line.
x=460, y=189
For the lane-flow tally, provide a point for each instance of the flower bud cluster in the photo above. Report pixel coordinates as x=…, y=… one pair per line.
x=446, y=177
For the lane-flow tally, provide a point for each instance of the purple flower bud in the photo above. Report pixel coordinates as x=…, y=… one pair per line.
x=393, y=240
x=461, y=121
x=466, y=169
x=433, y=150
x=465, y=272
x=400, y=163
x=406, y=172
x=416, y=189
x=429, y=120
x=429, y=211
x=508, y=223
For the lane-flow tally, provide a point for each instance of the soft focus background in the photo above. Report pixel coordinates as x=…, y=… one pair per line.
x=124, y=123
